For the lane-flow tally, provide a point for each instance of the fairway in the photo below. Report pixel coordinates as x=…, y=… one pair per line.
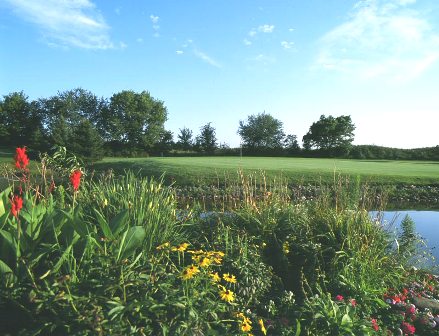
x=306, y=170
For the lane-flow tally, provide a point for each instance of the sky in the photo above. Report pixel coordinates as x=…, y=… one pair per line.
x=221, y=61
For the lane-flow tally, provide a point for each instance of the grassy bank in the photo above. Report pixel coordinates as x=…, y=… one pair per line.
x=118, y=255
x=208, y=170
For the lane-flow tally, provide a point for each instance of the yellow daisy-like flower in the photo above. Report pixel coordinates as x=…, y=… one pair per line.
x=181, y=248
x=246, y=327
x=163, y=246
x=261, y=324
x=227, y=295
x=205, y=262
x=196, y=258
x=229, y=278
x=215, y=277
x=189, y=272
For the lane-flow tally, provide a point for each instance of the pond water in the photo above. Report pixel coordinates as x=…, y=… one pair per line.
x=426, y=223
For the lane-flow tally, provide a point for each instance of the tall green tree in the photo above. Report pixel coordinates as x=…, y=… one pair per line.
x=21, y=122
x=135, y=119
x=261, y=131
x=86, y=142
x=206, y=141
x=65, y=111
x=291, y=145
x=185, y=141
x=329, y=133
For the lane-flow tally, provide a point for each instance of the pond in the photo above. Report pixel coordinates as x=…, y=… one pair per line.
x=426, y=222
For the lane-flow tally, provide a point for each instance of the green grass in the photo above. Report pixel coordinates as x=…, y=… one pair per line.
x=189, y=170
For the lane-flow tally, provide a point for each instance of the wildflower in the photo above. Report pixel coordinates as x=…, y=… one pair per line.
x=411, y=309
x=245, y=326
x=375, y=325
x=229, y=278
x=215, y=277
x=16, y=205
x=227, y=295
x=163, y=246
x=189, y=272
x=261, y=324
x=339, y=298
x=21, y=159
x=181, y=248
x=353, y=302
x=75, y=179
x=205, y=262
x=407, y=328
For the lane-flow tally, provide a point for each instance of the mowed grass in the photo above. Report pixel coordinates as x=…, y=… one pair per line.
x=196, y=170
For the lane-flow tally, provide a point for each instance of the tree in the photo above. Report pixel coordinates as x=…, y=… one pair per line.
x=64, y=112
x=329, y=133
x=185, y=141
x=261, y=131
x=21, y=123
x=206, y=140
x=166, y=142
x=86, y=142
x=135, y=119
x=291, y=145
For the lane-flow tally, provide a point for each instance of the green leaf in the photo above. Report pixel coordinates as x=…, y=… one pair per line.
x=132, y=239
x=4, y=199
x=298, y=328
x=117, y=224
x=4, y=269
x=103, y=225
x=65, y=255
x=346, y=320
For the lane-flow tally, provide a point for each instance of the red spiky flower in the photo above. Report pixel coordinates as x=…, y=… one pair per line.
x=75, y=179
x=21, y=159
x=17, y=204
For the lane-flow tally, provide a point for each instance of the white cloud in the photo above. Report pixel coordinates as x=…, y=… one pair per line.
x=179, y=52
x=66, y=23
x=252, y=33
x=247, y=42
x=206, y=58
x=384, y=39
x=140, y=40
x=122, y=45
x=287, y=45
x=264, y=59
x=266, y=28
x=155, y=26
x=154, y=19
x=291, y=29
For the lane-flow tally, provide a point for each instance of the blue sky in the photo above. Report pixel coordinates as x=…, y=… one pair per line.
x=220, y=61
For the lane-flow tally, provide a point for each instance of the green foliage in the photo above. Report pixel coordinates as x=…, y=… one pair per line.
x=261, y=131
x=206, y=140
x=185, y=141
x=330, y=133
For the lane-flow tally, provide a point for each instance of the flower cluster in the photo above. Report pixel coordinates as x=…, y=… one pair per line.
x=21, y=159
x=16, y=205
x=75, y=179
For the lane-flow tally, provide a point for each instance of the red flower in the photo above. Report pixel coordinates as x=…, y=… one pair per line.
x=75, y=179
x=375, y=325
x=407, y=328
x=339, y=298
x=21, y=159
x=17, y=204
x=353, y=302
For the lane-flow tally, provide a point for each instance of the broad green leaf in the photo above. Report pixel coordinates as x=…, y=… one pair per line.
x=346, y=320
x=133, y=239
x=103, y=224
x=4, y=268
x=117, y=224
x=4, y=199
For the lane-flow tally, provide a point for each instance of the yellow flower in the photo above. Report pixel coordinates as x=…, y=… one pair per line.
x=105, y=202
x=229, y=278
x=205, y=262
x=227, y=295
x=245, y=326
x=286, y=247
x=261, y=323
x=189, y=272
x=215, y=277
x=181, y=248
x=163, y=246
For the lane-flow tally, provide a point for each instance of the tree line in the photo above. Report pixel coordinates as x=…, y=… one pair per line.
x=132, y=124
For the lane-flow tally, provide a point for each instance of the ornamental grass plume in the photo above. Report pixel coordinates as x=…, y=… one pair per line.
x=17, y=204
x=75, y=179
x=21, y=159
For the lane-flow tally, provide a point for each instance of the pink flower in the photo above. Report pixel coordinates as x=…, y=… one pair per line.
x=339, y=298
x=411, y=309
x=375, y=325
x=353, y=302
x=407, y=328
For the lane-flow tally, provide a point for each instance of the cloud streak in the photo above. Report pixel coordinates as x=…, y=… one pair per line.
x=67, y=23
x=206, y=58
x=381, y=39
